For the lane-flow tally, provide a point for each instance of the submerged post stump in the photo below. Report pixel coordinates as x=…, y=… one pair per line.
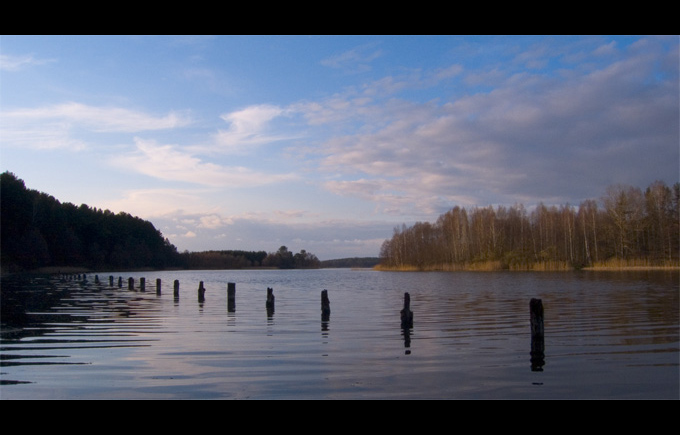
x=325, y=306
x=270, y=301
x=406, y=313
x=201, y=292
x=231, y=296
x=158, y=286
x=176, y=288
x=96, y=279
x=537, y=335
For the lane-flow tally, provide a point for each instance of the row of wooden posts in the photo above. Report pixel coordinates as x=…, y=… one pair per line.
x=535, y=310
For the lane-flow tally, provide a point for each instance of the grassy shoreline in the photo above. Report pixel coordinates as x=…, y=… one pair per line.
x=547, y=266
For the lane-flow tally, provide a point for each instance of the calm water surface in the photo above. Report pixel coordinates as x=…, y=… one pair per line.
x=608, y=335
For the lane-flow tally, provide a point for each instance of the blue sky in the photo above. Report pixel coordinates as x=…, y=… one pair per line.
x=326, y=143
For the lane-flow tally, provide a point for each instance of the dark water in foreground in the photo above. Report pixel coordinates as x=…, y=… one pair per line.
x=608, y=335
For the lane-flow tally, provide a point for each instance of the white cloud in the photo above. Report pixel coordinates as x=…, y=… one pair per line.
x=171, y=163
x=213, y=221
x=513, y=141
x=327, y=239
x=249, y=128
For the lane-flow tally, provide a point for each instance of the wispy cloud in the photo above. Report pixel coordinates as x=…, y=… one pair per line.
x=513, y=141
x=398, y=136
x=18, y=63
x=99, y=119
x=355, y=60
x=249, y=128
x=59, y=126
x=336, y=238
x=170, y=162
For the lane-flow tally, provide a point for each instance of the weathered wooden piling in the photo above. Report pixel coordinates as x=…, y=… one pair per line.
x=142, y=284
x=201, y=292
x=537, y=334
x=131, y=283
x=120, y=282
x=96, y=279
x=158, y=286
x=110, y=280
x=175, y=291
x=406, y=313
x=231, y=297
x=325, y=306
x=536, y=317
x=270, y=301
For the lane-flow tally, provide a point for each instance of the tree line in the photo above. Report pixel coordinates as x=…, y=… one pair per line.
x=229, y=259
x=627, y=226
x=38, y=231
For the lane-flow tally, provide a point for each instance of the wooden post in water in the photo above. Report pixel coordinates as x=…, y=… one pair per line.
x=120, y=282
x=325, y=306
x=142, y=284
x=406, y=313
x=270, y=301
x=201, y=292
x=536, y=316
x=110, y=280
x=537, y=335
x=131, y=283
x=158, y=286
x=231, y=297
x=96, y=279
x=176, y=288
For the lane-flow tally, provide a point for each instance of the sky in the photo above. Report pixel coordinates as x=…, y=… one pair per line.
x=327, y=143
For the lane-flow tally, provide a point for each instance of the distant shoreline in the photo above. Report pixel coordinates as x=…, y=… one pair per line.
x=52, y=270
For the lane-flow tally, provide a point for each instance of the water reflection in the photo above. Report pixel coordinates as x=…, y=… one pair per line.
x=55, y=321
x=536, y=322
x=472, y=336
x=406, y=333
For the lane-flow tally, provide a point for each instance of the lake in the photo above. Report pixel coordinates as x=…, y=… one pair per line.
x=608, y=335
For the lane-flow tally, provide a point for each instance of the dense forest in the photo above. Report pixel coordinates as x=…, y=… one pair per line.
x=39, y=231
x=628, y=227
